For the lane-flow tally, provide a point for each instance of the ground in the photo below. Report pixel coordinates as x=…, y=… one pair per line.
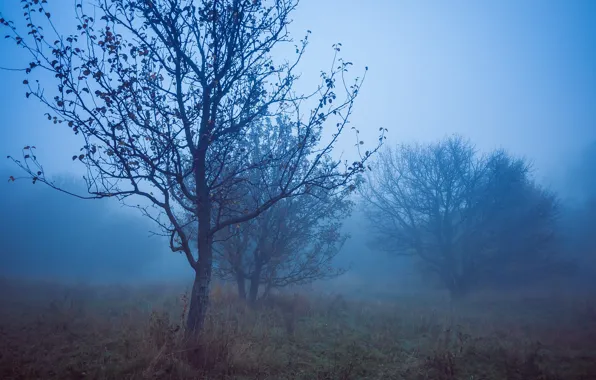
x=54, y=331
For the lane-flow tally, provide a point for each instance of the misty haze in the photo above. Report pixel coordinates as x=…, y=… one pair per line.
x=298, y=189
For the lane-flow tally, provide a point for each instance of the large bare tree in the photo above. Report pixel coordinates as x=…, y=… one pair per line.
x=292, y=243
x=166, y=95
x=465, y=216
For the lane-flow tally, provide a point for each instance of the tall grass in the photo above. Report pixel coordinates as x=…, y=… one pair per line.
x=54, y=331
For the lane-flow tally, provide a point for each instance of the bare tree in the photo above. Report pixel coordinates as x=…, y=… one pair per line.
x=515, y=226
x=292, y=243
x=163, y=91
x=463, y=215
x=579, y=219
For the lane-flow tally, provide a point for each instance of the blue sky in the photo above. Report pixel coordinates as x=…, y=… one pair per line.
x=514, y=74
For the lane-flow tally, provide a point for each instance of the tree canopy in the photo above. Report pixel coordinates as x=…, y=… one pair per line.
x=467, y=217
x=168, y=97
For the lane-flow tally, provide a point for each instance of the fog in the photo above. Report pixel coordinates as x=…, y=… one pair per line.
x=499, y=73
x=484, y=184
x=53, y=236
x=100, y=241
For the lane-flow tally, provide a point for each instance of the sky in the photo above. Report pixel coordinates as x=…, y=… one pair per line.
x=514, y=74
x=519, y=75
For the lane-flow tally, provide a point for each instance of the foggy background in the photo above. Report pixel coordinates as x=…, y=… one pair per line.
x=510, y=74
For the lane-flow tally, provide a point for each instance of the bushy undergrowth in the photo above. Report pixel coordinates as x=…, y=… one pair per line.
x=53, y=331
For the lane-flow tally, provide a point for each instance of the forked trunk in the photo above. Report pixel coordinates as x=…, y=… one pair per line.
x=241, y=282
x=458, y=289
x=255, y=281
x=267, y=290
x=199, y=300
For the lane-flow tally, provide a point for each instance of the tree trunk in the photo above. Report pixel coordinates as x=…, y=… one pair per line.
x=458, y=289
x=199, y=300
x=241, y=282
x=255, y=281
x=267, y=290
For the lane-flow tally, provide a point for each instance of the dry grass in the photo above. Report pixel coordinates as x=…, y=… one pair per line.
x=53, y=331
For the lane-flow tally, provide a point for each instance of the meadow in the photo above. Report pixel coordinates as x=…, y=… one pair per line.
x=50, y=330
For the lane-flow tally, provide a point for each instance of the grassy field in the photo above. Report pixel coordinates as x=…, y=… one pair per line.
x=53, y=331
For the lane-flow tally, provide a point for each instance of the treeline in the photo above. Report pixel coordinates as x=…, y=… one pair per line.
x=469, y=220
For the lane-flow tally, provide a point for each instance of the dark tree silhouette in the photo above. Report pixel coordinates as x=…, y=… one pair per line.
x=164, y=91
x=465, y=216
x=579, y=224
x=292, y=243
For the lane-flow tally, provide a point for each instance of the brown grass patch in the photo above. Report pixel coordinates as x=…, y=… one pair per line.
x=53, y=331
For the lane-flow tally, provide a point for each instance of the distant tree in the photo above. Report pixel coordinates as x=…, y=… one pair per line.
x=465, y=216
x=292, y=243
x=579, y=229
x=166, y=90
x=579, y=221
x=583, y=175
x=295, y=240
x=518, y=224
